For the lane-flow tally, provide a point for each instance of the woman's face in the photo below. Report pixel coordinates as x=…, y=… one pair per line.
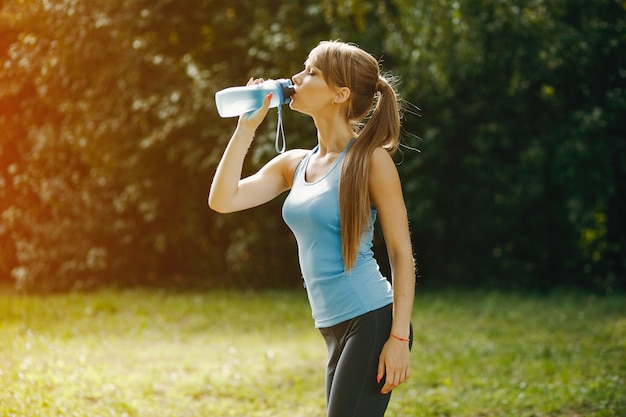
x=313, y=95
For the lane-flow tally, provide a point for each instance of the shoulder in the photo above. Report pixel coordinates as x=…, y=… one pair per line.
x=288, y=161
x=289, y=158
x=383, y=174
x=381, y=162
x=384, y=181
x=295, y=154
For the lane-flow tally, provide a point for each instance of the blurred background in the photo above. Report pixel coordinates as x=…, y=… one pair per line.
x=109, y=139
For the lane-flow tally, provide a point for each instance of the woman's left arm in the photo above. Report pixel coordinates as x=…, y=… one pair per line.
x=386, y=196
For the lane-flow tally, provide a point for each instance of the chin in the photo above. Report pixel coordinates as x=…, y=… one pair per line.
x=294, y=107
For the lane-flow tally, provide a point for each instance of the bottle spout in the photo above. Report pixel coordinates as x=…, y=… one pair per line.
x=288, y=92
x=288, y=89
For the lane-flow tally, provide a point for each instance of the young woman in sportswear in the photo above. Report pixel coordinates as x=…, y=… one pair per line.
x=336, y=192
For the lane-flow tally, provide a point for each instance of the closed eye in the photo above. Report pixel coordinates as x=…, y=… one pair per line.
x=309, y=69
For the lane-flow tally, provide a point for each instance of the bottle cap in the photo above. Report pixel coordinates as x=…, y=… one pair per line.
x=287, y=89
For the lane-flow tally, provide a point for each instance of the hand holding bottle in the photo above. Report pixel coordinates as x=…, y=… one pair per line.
x=252, y=101
x=235, y=101
x=251, y=121
x=228, y=191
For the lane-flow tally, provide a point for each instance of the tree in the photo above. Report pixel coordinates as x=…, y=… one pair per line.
x=112, y=136
x=523, y=152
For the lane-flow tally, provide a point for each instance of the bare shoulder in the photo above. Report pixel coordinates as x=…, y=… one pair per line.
x=289, y=160
x=382, y=163
x=384, y=182
x=295, y=155
x=287, y=163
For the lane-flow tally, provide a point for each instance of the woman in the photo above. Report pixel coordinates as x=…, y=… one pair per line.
x=336, y=192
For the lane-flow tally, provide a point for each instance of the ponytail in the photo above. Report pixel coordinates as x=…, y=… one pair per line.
x=381, y=130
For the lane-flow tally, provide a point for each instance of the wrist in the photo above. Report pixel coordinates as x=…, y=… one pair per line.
x=399, y=338
x=244, y=131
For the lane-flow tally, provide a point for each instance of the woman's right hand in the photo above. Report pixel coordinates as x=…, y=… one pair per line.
x=229, y=192
x=251, y=121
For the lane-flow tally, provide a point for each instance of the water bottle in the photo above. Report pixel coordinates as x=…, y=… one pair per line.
x=235, y=101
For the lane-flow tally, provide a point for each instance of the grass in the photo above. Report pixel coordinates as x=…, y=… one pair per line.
x=151, y=353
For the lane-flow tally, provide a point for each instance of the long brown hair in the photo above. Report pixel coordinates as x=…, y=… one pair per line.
x=372, y=97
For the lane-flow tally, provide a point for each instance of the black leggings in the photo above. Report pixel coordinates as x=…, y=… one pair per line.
x=354, y=347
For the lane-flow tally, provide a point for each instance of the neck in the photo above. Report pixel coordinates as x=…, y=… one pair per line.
x=333, y=134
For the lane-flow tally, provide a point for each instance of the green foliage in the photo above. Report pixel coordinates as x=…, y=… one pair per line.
x=523, y=146
x=140, y=352
x=110, y=138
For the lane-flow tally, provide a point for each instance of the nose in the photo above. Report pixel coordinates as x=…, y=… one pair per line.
x=296, y=78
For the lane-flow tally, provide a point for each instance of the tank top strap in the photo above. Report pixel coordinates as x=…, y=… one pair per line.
x=301, y=168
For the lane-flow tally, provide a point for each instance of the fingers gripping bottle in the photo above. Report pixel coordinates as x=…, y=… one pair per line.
x=235, y=101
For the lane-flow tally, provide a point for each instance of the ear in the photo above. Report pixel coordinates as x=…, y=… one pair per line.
x=342, y=95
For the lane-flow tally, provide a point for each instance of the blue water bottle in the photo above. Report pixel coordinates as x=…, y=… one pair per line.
x=235, y=101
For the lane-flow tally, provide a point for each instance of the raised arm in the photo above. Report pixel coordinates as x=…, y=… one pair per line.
x=229, y=192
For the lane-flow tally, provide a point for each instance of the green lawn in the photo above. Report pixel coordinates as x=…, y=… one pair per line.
x=152, y=353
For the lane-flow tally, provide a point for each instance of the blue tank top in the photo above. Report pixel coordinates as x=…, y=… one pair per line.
x=311, y=210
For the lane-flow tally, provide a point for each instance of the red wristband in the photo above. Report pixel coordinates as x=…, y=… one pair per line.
x=399, y=338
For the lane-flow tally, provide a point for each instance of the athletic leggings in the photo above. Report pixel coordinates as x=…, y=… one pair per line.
x=354, y=348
